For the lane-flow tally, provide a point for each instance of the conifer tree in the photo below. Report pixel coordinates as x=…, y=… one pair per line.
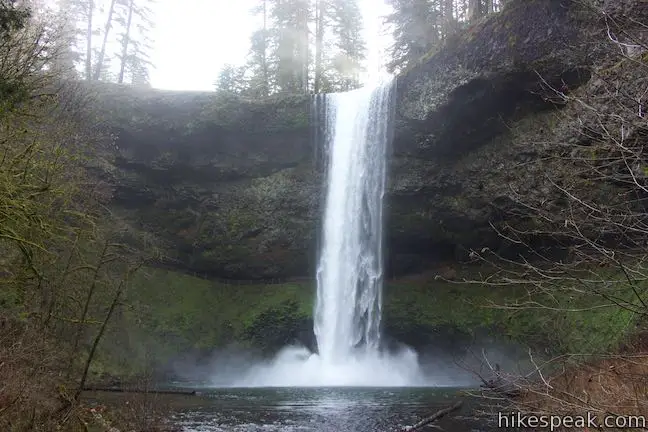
x=291, y=44
x=231, y=79
x=134, y=41
x=106, y=33
x=346, y=29
x=420, y=26
x=304, y=46
x=415, y=25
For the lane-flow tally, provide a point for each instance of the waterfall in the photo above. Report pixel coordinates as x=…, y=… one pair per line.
x=353, y=130
x=350, y=270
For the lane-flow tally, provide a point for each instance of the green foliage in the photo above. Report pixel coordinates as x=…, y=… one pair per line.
x=277, y=326
x=170, y=313
x=573, y=324
x=150, y=114
x=12, y=18
x=63, y=267
x=231, y=79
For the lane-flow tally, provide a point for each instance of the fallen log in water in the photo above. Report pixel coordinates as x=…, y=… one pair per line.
x=139, y=390
x=434, y=417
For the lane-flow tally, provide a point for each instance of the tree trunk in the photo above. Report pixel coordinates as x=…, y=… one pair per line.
x=86, y=307
x=97, y=339
x=434, y=417
x=125, y=42
x=102, y=53
x=319, y=44
x=490, y=6
x=266, y=79
x=88, y=62
x=474, y=9
x=448, y=17
x=304, y=47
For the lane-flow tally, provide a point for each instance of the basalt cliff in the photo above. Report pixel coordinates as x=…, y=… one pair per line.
x=232, y=187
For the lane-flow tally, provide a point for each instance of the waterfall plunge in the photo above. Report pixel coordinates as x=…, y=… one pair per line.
x=349, y=275
x=350, y=270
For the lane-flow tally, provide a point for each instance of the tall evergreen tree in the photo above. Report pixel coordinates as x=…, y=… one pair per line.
x=89, y=11
x=291, y=43
x=102, y=53
x=135, y=44
x=305, y=45
x=415, y=25
x=346, y=26
x=321, y=12
x=79, y=17
x=419, y=26
x=475, y=9
x=259, y=81
x=125, y=41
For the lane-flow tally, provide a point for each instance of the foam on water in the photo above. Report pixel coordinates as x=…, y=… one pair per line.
x=298, y=367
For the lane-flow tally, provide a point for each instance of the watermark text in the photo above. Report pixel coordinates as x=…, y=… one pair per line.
x=554, y=422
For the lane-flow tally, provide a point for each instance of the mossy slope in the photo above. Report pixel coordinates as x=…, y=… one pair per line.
x=173, y=314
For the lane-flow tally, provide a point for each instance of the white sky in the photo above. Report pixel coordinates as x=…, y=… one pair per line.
x=193, y=39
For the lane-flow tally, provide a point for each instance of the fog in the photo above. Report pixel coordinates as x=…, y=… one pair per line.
x=296, y=366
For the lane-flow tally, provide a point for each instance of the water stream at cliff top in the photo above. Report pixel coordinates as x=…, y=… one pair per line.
x=350, y=268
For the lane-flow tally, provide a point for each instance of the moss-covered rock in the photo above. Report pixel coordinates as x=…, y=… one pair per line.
x=171, y=314
x=232, y=187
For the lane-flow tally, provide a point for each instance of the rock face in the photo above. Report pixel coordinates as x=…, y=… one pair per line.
x=464, y=116
x=227, y=185
x=232, y=186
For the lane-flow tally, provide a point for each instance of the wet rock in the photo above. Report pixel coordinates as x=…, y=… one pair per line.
x=232, y=187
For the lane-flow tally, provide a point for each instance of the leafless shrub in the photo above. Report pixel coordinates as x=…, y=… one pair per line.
x=63, y=267
x=592, y=217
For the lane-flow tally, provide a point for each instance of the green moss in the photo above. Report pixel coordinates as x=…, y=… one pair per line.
x=289, y=117
x=170, y=313
x=433, y=304
x=227, y=226
x=571, y=323
x=459, y=202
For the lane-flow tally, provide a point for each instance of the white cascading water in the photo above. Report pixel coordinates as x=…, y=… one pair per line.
x=350, y=270
x=349, y=275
